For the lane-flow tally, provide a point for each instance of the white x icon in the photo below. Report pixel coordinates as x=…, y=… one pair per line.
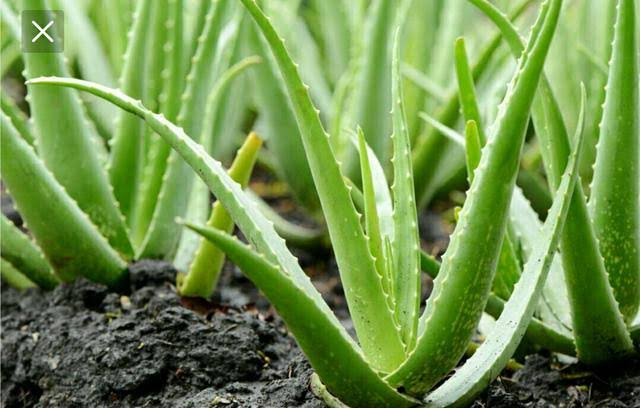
x=42, y=31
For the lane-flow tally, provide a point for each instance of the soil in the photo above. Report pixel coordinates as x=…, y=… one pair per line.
x=543, y=382
x=82, y=346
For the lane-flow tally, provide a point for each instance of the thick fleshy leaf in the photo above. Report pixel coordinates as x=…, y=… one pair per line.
x=406, y=242
x=615, y=192
x=463, y=285
x=17, y=248
x=70, y=242
x=207, y=263
x=363, y=288
x=211, y=59
x=489, y=360
x=126, y=160
x=65, y=143
x=598, y=326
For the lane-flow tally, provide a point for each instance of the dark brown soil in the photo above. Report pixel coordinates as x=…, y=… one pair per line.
x=545, y=383
x=81, y=346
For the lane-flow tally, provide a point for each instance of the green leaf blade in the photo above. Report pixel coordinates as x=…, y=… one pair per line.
x=485, y=365
x=59, y=119
x=333, y=355
x=406, y=243
x=363, y=288
x=126, y=158
x=17, y=248
x=463, y=285
x=205, y=269
x=615, y=198
x=71, y=243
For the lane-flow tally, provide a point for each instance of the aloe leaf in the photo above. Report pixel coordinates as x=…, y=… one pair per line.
x=199, y=206
x=280, y=127
x=13, y=276
x=467, y=90
x=422, y=80
x=295, y=235
x=599, y=327
x=363, y=289
x=243, y=209
x=371, y=219
x=473, y=147
x=382, y=196
x=334, y=356
x=303, y=47
x=419, y=32
x=554, y=308
x=406, y=243
x=204, y=271
x=169, y=105
x=226, y=126
x=336, y=35
x=93, y=62
x=18, y=119
x=212, y=57
x=428, y=169
x=192, y=38
x=615, y=192
x=538, y=332
x=463, y=285
x=442, y=128
x=502, y=341
x=372, y=103
x=508, y=270
x=125, y=163
x=60, y=120
x=70, y=242
x=18, y=249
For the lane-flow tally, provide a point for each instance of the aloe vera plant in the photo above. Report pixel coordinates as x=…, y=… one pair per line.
x=107, y=205
x=400, y=356
x=604, y=265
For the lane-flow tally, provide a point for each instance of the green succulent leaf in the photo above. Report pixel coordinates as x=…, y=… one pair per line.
x=211, y=59
x=615, y=192
x=598, y=326
x=199, y=205
x=72, y=245
x=372, y=220
x=274, y=257
x=406, y=242
x=18, y=118
x=487, y=362
x=93, y=63
x=205, y=269
x=170, y=101
x=280, y=127
x=13, y=276
x=127, y=148
x=462, y=287
x=25, y=256
x=467, y=90
x=66, y=144
x=333, y=355
x=429, y=168
x=364, y=292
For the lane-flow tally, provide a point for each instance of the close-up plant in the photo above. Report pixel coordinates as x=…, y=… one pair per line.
x=367, y=140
